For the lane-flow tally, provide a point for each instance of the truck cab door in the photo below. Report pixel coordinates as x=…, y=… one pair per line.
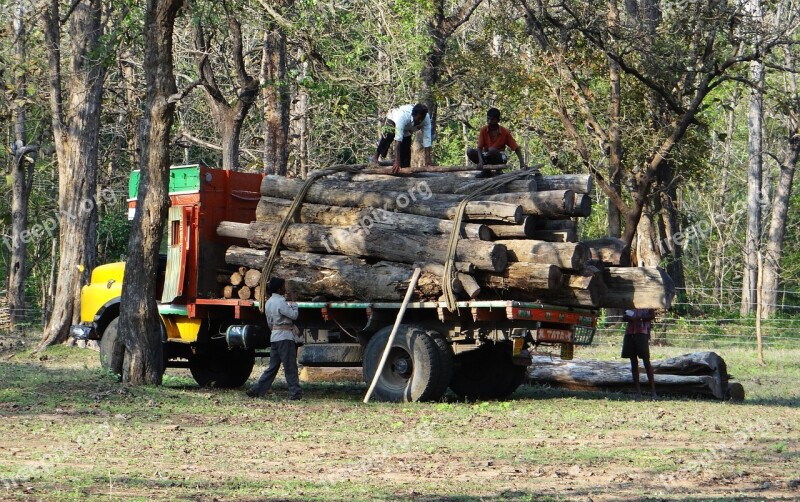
x=177, y=246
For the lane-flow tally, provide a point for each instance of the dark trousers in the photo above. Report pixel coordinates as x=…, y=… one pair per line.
x=280, y=352
x=491, y=157
x=387, y=141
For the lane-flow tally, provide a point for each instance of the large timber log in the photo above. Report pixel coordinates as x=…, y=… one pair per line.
x=384, y=245
x=510, y=231
x=578, y=183
x=422, y=186
x=274, y=210
x=611, y=251
x=339, y=277
x=697, y=374
x=573, y=291
x=443, y=206
x=553, y=204
x=523, y=276
x=637, y=287
x=569, y=255
x=565, y=235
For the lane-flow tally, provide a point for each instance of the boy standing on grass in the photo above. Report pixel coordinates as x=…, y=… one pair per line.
x=636, y=345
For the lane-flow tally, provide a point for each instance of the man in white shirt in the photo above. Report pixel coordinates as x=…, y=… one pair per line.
x=401, y=124
x=280, y=316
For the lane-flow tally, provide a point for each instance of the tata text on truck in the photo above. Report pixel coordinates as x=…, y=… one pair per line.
x=479, y=351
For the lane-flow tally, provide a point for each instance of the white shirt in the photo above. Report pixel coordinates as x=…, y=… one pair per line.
x=279, y=311
x=404, y=124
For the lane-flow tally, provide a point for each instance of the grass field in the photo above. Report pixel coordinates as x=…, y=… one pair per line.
x=71, y=432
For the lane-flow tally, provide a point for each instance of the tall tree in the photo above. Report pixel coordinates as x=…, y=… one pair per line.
x=275, y=90
x=76, y=129
x=789, y=102
x=229, y=113
x=139, y=322
x=21, y=172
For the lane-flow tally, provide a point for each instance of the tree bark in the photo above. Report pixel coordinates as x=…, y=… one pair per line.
x=550, y=204
x=437, y=185
x=578, y=183
x=274, y=210
x=523, y=230
x=21, y=177
x=276, y=186
x=754, y=181
x=611, y=251
x=139, y=322
x=275, y=91
x=523, y=276
x=391, y=246
x=77, y=136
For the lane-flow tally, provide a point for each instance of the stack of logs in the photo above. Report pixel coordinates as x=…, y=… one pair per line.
x=243, y=283
x=360, y=237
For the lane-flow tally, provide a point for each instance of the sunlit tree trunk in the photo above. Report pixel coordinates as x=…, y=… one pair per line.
x=76, y=127
x=139, y=322
x=275, y=90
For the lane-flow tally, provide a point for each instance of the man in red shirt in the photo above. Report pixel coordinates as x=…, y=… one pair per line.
x=636, y=345
x=492, y=141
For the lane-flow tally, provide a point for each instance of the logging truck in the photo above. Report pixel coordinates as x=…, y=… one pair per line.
x=480, y=350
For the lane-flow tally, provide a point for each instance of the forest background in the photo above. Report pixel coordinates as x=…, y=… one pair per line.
x=684, y=111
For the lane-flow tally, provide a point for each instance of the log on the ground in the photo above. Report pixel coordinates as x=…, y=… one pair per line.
x=637, y=287
x=569, y=255
x=578, y=183
x=611, y=251
x=274, y=210
x=437, y=207
x=315, y=374
x=703, y=373
x=523, y=275
x=339, y=277
x=390, y=246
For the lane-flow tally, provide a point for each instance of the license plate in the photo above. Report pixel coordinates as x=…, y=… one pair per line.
x=553, y=335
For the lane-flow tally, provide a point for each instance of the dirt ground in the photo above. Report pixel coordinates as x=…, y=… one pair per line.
x=71, y=432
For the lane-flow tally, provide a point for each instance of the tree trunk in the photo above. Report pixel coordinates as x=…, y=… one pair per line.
x=275, y=91
x=754, y=175
x=703, y=373
x=637, y=287
x=566, y=255
x=339, y=277
x=611, y=251
x=718, y=219
x=78, y=132
x=272, y=210
x=524, y=276
x=438, y=185
x=777, y=226
x=572, y=291
x=578, y=183
x=21, y=178
x=385, y=245
x=614, y=147
x=414, y=203
x=522, y=231
x=139, y=321
x=670, y=248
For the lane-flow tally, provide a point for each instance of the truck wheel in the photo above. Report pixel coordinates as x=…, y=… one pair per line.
x=413, y=370
x=222, y=368
x=446, y=357
x=486, y=373
x=112, y=350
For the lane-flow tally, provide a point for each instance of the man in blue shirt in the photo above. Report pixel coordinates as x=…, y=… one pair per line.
x=280, y=316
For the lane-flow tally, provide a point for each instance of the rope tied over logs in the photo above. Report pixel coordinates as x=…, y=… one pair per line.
x=287, y=220
x=474, y=191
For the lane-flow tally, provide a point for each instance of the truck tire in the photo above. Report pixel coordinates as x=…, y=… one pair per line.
x=446, y=362
x=112, y=350
x=413, y=370
x=222, y=368
x=487, y=373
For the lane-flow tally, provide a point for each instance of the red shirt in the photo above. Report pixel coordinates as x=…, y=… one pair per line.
x=503, y=138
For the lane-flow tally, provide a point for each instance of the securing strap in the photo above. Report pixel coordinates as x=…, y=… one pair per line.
x=474, y=191
x=287, y=220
